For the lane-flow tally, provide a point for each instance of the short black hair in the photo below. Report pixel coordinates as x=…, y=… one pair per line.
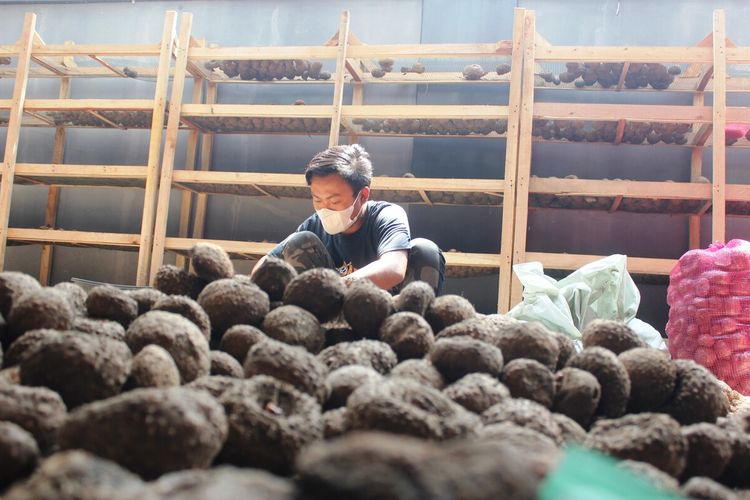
x=351, y=162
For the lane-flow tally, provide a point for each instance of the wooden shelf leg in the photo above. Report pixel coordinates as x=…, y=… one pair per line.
x=718, y=211
x=207, y=145
x=338, y=87
x=14, y=128
x=186, y=203
x=524, y=153
x=170, y=145
x=511, y=165
x=154, y=150
x=694, y=221
x=53, y=194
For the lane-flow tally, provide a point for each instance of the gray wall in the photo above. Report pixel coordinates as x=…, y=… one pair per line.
x=299, y=22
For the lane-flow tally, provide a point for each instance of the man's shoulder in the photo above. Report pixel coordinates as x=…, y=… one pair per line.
x=384, y=209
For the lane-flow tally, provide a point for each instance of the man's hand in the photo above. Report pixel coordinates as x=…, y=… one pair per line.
x=386, y=272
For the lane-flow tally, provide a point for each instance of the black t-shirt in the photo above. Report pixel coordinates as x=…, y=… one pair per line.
x=386, y=229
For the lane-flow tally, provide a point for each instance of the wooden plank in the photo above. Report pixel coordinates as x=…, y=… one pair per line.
x=58, y=236
x=511, y=160
x=639, y=54
x=426, y=111
x=702, y=135
x=50, y=66
x=111, y=68
x=207, y=144
x=436, y=50
x=694, y=70
x=230, y=246
x=453, y=50
x=53, y=193
x=709, y=72
x=186, y=202
x=372, y=111
x=157, y=124
x=354, y=67
x=620, y=131
x=718, y=211
x=623, y=74
x=259, y=249
x=102, y=50
x=104, y=119
x=260, y=53
x=170, y=146
x=40, y=117
x=81, y=171
x=737, y=114
x=696, y=170
x=629, y=112
x=358, y=97
x=738, y=55
x=259, y=111
x=14, y=128
x=338, y=88
x=615, y=204
x=571, y=262
x=524, y=153
x=379, y=183
x=86, y=104
x=627, y=189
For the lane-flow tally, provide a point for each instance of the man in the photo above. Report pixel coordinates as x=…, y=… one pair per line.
x=357, y=237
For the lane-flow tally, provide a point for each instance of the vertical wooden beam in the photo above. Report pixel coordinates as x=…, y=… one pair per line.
x=14, y=128
x=154, y=150
x=358, y=97
x=53, y=193
x=207, y=146
x=170, y=144
x=696, y=170
x=186, y=203
x=511, y=163
x=524, y=152
x=694, y=221
x=718, y=213
x=338, y=87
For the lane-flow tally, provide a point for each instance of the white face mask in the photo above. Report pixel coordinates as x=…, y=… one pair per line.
x=337, y=221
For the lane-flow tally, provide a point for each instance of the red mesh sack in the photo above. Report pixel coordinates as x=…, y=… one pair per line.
x=709, y=311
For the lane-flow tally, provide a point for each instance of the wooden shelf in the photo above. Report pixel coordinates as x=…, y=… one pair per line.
x=571, y=262
x=395, y=189
x=701, y=68
x=255, y=250
x=81, y=175
x=111, y=241
x=525, y=120
x=35, y=59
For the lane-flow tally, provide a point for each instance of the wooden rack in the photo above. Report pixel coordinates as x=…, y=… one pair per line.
x=706, y=70
x=354, y=63
x=520, y=123
x=35, y=59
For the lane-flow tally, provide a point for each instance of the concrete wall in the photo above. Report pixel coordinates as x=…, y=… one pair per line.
x=299, y=22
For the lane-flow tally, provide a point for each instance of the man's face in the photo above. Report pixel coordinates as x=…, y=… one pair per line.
x=332, y=192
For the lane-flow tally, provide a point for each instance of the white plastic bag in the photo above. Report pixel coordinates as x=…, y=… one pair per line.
x=602, y=289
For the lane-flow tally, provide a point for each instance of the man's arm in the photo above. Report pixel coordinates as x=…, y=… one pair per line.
x=386, y=272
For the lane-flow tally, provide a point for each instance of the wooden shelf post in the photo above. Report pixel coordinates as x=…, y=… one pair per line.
x=14, y=128
x=207, y=145
x=511, y=163
x=154, y=150
x=718, y=211
x=170, y=145
x=524, y=152
x=338, y=88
